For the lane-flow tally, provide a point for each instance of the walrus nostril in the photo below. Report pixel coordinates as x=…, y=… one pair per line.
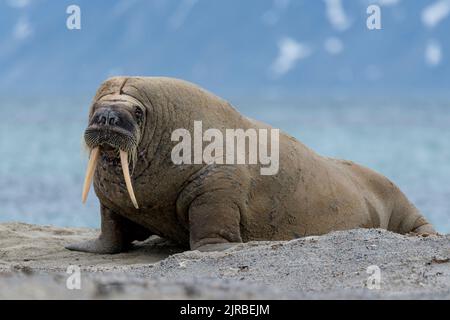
x=102, y=116
x=102, y=120
x=113, y=119
x=107, y=117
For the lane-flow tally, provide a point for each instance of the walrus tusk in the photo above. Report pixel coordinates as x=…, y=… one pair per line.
x=126, y=175
x=89, y=173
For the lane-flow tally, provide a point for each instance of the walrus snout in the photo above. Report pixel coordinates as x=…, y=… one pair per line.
x=113, y=131
x=114, y=127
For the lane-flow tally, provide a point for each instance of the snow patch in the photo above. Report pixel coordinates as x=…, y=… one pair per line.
x=22, y=29
x=272, y=16
x=336, y=15
x=290, y=51
x=433, y=53
x=435, y=13
x=333, y=45
x=18, y=3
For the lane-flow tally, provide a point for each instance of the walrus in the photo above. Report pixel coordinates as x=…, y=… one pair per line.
x=211, y=206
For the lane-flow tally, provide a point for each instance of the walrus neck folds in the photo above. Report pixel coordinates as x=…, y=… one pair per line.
x=167, y=109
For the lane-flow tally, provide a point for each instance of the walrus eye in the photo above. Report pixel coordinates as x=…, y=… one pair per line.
x=138, y=113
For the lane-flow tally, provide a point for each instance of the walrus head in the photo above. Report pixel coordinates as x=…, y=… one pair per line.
x=114, y=130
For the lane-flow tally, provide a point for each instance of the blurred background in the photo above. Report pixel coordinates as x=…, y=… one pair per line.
x=311, y=68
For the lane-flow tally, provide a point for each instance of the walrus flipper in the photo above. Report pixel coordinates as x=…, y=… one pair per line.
x=116, y=235
x=406, y=218
x=95, y=246
x=214, y=224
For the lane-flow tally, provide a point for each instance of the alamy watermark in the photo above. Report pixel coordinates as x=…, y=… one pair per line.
x=373, y=21
x=73, y=21
x=231, y=149
x=374, y=280
x=73, y=282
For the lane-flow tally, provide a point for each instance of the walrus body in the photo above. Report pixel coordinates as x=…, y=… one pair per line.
x=206, y=205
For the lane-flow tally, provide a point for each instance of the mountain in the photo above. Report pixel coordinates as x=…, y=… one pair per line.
x=231, y=47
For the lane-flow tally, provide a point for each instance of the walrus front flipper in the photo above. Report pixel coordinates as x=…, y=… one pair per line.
x=95, y=246
x=213, y=223
x=116, y=235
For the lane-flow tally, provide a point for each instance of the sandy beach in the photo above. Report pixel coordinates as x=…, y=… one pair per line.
x=34, y=263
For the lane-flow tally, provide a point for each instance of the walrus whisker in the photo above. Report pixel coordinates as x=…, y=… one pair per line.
x=126, y=175
x=89, y=173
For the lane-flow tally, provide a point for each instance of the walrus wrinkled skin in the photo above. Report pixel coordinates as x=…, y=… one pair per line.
x=210, y=207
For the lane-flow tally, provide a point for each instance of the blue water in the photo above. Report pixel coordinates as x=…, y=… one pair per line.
x=42, y=162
